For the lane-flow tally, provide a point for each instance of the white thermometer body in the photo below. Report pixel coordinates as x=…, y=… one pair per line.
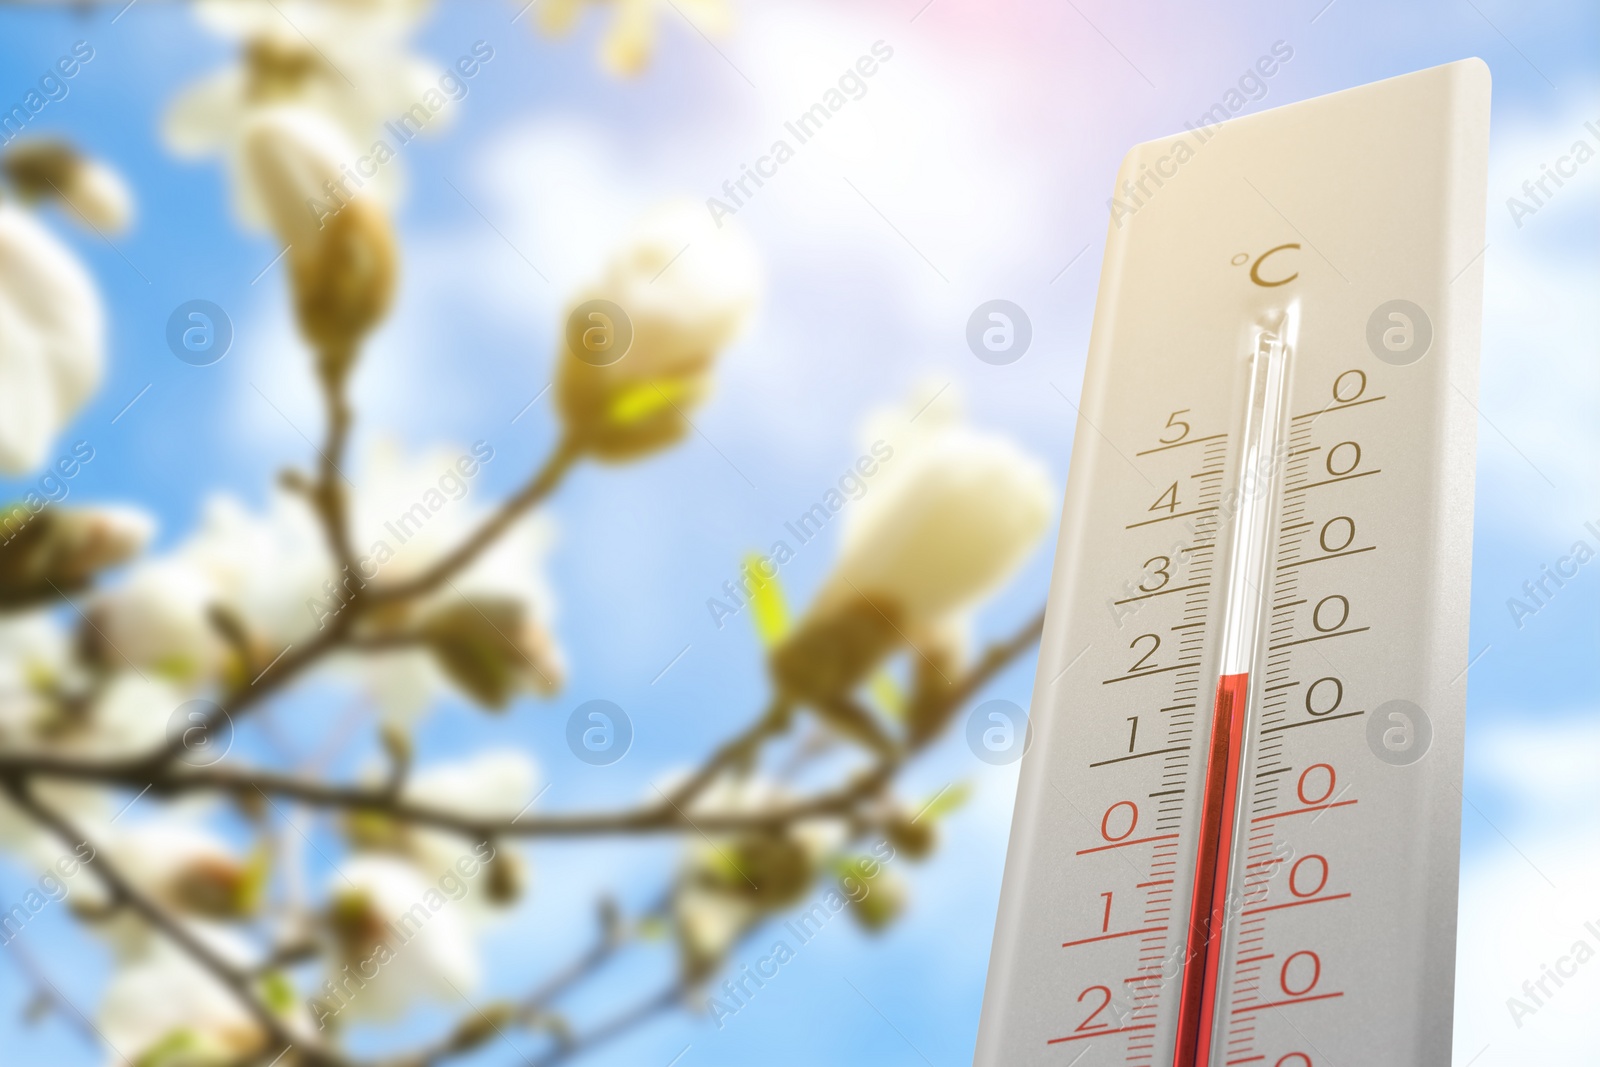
x=1237, y=830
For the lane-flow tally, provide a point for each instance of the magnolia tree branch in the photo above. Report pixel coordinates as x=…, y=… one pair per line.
x=561, y=460
x=265, y=679
x=478, y=1031
x=238, y=981
x=845, y=802
x=743, y=747
x=618, y=1025
x=472, y=1033
x=994, y=659
x=166, y=775
x=669, y=816
x=328, y=495
x=266, y=672
x=380, y=615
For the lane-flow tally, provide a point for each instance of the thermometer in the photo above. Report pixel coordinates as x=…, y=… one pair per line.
x=1237, y=829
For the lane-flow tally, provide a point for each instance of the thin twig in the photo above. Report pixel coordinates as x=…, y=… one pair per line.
x=238, y=982
x=471, y=1033
x=538, y=487
x=773, y=721
x=329, y=494
x=239, y=781
x=617, y=1025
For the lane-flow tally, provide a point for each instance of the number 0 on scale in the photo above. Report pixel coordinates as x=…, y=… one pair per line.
x=1236, y=833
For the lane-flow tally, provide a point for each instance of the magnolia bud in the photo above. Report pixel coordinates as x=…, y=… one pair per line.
x=913, y=838
x=773, y=870
x=834, y=648
x=59, y=551
x=882, y=904
x=54, y=170
x=217, y=888
x=668, y=302
x=492, y=648
x=507, y=878
x=279, y=69
x=52, y=340
x=344, y=281
x=342, y=257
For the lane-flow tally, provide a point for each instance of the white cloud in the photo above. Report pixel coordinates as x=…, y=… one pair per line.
x=1526, y=903
x=1541, y=374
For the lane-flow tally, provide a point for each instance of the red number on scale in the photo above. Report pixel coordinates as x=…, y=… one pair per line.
x=1305, y=775
x=1133, y=820
x=1316, y=973
x=1300, y=1060
x=1086, y=1024
x=1318, y=863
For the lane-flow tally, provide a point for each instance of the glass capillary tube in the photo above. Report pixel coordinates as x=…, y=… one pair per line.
x=1260, y=464
x=1272, y=340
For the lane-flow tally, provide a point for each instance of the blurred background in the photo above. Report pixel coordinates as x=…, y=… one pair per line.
x=241, y=348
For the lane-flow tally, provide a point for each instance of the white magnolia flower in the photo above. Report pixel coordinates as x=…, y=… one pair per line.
x=408, y=513
x=175, y=860
x=949, y=517
x=52, y=337
x=56, y=551
x=35, y=661
x=163, y=998
x=342, y=258
x=729, y=882
x=402, y=937
x=182, y=865
x=490, y=786
x=630, y=40
x=327, y=23
x=48, y=705
x=344, y=61
x=710, y=922
x=262, y=567
x=128, y=717
x=686, y=287
x=293, y=157
x=156, y=619
x=273, y=571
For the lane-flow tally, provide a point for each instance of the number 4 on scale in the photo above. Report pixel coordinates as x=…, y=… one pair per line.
x=1167, y=500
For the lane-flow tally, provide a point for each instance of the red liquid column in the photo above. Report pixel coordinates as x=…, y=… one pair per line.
x=1208, y=908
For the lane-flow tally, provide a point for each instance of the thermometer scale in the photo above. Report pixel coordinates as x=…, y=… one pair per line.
x=1237, y=830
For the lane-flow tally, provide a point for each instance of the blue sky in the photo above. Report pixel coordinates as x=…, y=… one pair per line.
x=990, y=139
